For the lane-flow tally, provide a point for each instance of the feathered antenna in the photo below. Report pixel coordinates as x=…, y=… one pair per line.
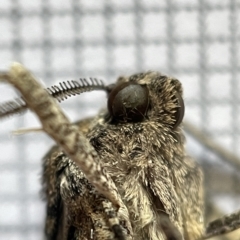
x=72, y=88
x=61, y=93
x=9, y=108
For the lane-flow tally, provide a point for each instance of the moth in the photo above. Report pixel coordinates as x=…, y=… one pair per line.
x=123, y=174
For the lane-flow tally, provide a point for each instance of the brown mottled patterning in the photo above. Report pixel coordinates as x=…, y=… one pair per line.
x=142, y=149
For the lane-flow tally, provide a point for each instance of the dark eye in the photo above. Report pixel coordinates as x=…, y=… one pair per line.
x=128, y=102
x=179, y=114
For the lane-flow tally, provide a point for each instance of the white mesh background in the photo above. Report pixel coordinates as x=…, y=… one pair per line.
x=194, y=40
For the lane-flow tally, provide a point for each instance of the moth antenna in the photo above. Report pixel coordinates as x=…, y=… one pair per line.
x=17, y=106
x=61, y=93
x=73, y=87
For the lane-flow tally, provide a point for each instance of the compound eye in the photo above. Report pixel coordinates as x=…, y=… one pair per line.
x=128, y=102
x=179, y=114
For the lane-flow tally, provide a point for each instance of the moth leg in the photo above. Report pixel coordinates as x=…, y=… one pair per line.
x=55, y=223
x=224, y=225
x=113, y=220
x=66, y=135
x=83, y=212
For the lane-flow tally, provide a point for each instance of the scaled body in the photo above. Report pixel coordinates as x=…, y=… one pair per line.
x=161, y=186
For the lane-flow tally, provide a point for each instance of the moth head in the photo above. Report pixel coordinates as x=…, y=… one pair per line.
x=146, y=97
x=141, y=97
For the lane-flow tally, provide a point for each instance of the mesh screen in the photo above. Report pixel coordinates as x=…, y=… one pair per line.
x=196, y=41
